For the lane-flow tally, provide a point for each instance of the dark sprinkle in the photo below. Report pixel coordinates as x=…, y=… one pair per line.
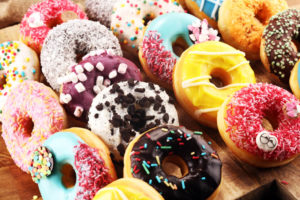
x=107, y=103
x=140, y=90
x=131, y=82
x=162, y=109
x=144, y=102
x=96, y=115
x=166, y=117
x=156, y=106
x=117, y=121
x=151, y=85
x=171, y=100
x=99, y=107
x=173, y=120
x=158, y=99
x=112, y=131
x=121, y=149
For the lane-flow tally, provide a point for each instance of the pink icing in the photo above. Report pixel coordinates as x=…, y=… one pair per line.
x=29, y=101
x=244, y=120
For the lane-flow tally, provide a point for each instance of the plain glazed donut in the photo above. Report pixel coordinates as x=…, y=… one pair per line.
x=96, y=71
x=89, y=158
x=240, y=123
x=17, y=63
x=31, y=114
x=278, y=53
x=242, y=22
x=122, y=111
x=155, y=155
x=197, y=67
x=42, y=17
x=69, y=40
x=129, y=189
x=295, y=80
x=129, y=18
x=156, y=52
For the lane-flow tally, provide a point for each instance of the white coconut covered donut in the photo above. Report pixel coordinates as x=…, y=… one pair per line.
x=124, y=110
x=68, y=41
x=130, y=16
x=17, y=63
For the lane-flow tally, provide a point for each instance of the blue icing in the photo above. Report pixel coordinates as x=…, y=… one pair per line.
x=61, y=145
x=299, y=74
x=210, y=7
x=171, y=26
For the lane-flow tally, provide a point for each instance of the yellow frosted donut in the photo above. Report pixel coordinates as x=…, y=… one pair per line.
x=201, y=64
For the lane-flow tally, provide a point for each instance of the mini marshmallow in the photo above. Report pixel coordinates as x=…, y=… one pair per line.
x=79, y=69
x=113, y=74
x=65, y=98
x=73, y=77
x=78, y=111
x=106, y=82
x=82, y=77
x=100, y=66
x=79, y=87
x=88, y=66
x=122, y=68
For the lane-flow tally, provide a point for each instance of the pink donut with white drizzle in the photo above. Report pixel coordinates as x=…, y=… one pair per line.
x=43, y=16
x=31, y=114
x=242, y=125
x=97, y=70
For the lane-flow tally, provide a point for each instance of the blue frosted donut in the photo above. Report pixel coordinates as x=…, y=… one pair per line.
x=157, y=55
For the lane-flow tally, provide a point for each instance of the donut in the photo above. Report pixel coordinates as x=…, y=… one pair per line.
x=130, y=17
x=177, y=162
x=100, y=10
x=240, y=123
x=43, y=16
x=126, y=109
x=295, y=80
x=205, y=9
x=68, y=41
x=241, y=23
x=96, y=71
x=31, y=114
x=205, y=75
x=79, y=166
x=17, y=63
x=156, y=52
x=278, y=52
x=129, y=189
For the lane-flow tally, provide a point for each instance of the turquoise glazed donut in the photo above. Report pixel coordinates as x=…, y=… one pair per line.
x=157, y=55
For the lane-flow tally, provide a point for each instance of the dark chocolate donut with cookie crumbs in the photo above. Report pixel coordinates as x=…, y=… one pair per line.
x=124, y=110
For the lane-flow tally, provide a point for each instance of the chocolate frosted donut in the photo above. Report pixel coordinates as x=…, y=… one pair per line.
x=66, y=42
x=282, y=30
x=153, y=157
x=96, y=71
x=126, y=109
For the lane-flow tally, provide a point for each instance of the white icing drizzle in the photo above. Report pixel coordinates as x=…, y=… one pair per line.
x=236, y=66
x=195, y=79
x=266, y=142
x=188, y=83
x=228, y=53
x=200, y=111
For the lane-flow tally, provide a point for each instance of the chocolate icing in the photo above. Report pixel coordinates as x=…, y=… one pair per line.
x=204, y=166
x=281, y=30
x=85, y=98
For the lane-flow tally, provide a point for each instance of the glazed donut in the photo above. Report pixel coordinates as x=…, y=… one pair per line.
x=96, y=71
x=126, y=109
x=205, y=9
x=42, y=17
x=69, y=40
x=278, y=53
x=241, y=23
x=130, y=16
x=129, y=189
x=31, y=114
x=177, y=162
x=295, y=80
x=196, y=71
x=100, y=10
x=17, y=63
x=156, y=52
x=73, y=150
x=240, y=123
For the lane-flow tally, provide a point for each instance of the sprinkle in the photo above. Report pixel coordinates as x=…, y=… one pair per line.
x=113, y=74
x=193, y=153
x=166, y=147
x=78, y=111
x=203, y=146
x=172, y=131
x=150, y=181
x=122, y=68
x=157, y=160
x=148, y=136
x=146, y=164
x=214, y=156
x=100, y=66
x=79, y=87
x=164, y=130
x=154, y=165
x=158, y=179
x=33, y=71
x=145, y=168
x=209, y=142
x=158, y=143
x=195, y=157
x=203, y=178
x=203, y=154
x=166, y=183
x=183, y=184
x=284, y=182
x=79, y=69
x=145, y=145
x=181, y=143
x=88, y=66
x=198, y=133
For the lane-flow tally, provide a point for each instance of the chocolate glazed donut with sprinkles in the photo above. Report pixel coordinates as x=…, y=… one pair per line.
x=278, y=50
x=124, y=110
x=153, y=156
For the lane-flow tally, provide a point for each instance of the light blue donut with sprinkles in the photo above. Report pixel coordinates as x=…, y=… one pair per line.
x=210, y=7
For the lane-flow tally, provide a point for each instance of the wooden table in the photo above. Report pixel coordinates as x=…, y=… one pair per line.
x=238, y=178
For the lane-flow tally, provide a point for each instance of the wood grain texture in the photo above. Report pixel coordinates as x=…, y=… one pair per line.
x=238, y=178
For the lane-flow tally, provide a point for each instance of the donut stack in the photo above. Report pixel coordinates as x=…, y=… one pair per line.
x=68, y=71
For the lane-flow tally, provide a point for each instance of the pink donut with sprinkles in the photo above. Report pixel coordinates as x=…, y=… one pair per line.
x=43, y=16
x=261, y=125
x=32, y=113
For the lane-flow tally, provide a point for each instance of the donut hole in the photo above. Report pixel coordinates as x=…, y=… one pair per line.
x=174, y=165
x=262, y=15
x=2, y=81
x=179, y=46
x=28, y=126
x=148, y=18
x=270, y=121
x=220, y=78
x=295, y=45
x=68, y=178
x=63, y=17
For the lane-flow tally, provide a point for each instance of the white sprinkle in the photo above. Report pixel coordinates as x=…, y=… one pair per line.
x=99, y=81
x=79, y=87
x=110, y=52
x=113, y=74
x=82, y=77
x=100, y=66
x=122, y=68
x=65, y=98
x=73, y=77
x=79, y=69
x=78, y=111
x=106, y=82
x=88, y=66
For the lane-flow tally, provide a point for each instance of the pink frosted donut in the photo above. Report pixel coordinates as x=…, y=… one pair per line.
x=32, y=113
x=241, y=119
x=42, y=17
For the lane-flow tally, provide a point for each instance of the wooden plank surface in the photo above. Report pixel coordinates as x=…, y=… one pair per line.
x=238, y=178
